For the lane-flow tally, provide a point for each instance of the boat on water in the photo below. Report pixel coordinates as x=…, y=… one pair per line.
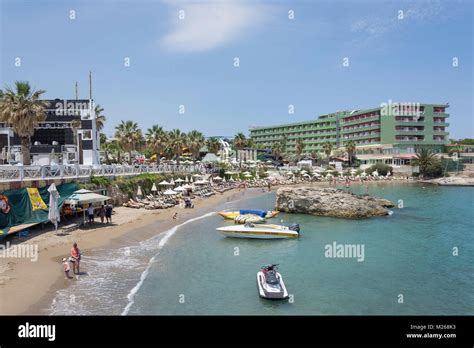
x=260, y=231
x=231, y=215
x=270, y=283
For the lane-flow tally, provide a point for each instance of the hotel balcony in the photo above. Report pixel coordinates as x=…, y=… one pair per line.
x=362, y=120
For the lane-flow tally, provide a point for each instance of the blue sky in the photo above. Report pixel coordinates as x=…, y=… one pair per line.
x=283, y=61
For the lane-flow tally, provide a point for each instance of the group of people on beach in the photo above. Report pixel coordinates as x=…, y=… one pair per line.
x=105, y=213
x=74, y=259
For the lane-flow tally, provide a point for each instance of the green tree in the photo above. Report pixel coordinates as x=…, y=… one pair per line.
x=424, y=159
x=327, y=148
x=23, y=110
x=129, y=137
x=351, y=150
x=99, y=118
x=156, y=139
x=195, y=142
x=299, y=147
x=213, y=145
x=176, y=141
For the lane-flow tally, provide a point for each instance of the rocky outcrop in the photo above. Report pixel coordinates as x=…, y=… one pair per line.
x=452, y=181
x=330, y=202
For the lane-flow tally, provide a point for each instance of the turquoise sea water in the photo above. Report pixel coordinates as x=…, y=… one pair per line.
x=195, y=270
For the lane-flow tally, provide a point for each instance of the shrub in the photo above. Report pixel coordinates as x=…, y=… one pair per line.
x=381, y=168
x=433, y=170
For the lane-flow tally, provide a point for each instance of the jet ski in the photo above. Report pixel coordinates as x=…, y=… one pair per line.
x=270, y=283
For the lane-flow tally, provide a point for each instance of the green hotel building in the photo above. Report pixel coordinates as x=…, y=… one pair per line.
x=391, y=133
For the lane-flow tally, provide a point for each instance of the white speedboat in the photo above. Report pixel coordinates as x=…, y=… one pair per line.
x=261, y=231
x=270, y=283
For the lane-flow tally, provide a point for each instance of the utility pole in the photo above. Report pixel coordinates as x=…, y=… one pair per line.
x=90, y=84
x=77, y=93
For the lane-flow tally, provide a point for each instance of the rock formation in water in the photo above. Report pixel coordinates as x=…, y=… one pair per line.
x=330, y=202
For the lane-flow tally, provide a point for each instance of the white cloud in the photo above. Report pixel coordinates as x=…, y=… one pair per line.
x=210, y=24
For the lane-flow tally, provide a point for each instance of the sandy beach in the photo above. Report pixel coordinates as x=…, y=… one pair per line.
x=30, y=285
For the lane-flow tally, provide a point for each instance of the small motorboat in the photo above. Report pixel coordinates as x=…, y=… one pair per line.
x=270, y=283
x=266, y=214
x=243, y=219
x=260, y=231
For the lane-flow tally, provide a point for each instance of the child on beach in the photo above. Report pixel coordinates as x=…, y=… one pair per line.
x=75, y=258
x=66, y=268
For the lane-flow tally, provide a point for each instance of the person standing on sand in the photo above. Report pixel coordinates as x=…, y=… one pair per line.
x=90, y=213
x=75, y=258
x=66, y=268
x=175, y=216
x=102, y=213
x=108, y=213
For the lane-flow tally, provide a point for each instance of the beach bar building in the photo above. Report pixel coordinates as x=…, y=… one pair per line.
x=68, y=135
x=391, y=133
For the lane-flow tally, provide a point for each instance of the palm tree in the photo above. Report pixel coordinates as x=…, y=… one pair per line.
x=424, y=159
x=114, y=147
x=240, y=141
x=277, y=150
x=195, y=142
x=213, y=145
x=129, y=136
x=156, y=139
x=99, y=118
x=23, y=110
x=299, y=147
x=327, y=148
x=177, y=140
x=350, y=148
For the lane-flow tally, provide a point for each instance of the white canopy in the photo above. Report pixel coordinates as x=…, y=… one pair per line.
x=170, y=192
x=179, y=180
x=85, y=196
x=164, y=183
x=179, y=189
x=187, y=187
x=217, y=178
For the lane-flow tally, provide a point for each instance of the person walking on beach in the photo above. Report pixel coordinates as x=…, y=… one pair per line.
x=66, y=268
x=90, y=213
x=175, y=216
x=102, y=213
x=108, y=213
x=75, y=258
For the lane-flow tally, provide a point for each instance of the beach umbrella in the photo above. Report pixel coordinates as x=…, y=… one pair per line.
x=329, y=175
x=191, y=180
x=164, y=183
x=170, y=192
x=172, y=182
x=363, y=174
x=179, y=180
x=224, y=180
x=186, y=180
x=248, y=175
x=179, y=189
x=53, y=213
x=197, y=175
x=217, y=178
x=187, y=186
x=375, y=173
x=316, y=174
x=353, y=171
x=153, y=188
x=139, y=192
